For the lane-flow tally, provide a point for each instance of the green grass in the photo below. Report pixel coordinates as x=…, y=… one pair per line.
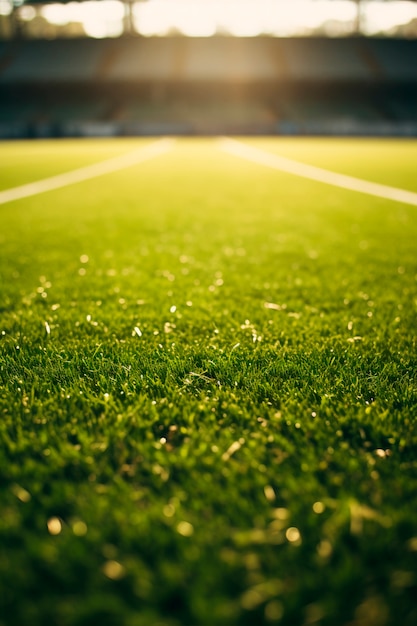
x=236, y=464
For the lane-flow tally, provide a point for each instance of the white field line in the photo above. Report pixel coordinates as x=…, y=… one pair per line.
x=85, y=173
x=256, y=155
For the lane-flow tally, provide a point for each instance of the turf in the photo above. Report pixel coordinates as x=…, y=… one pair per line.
x=208, y=390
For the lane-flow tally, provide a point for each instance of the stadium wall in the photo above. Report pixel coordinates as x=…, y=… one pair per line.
x=179, y=85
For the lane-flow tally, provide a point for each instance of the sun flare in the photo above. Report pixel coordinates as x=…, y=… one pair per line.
x=239, y=18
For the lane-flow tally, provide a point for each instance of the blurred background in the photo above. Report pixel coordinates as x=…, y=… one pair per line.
x=156, y=67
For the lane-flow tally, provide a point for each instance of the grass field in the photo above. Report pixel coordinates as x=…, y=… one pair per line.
x=208, y=389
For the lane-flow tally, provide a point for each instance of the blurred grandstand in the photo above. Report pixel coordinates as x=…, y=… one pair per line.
x=137, y=85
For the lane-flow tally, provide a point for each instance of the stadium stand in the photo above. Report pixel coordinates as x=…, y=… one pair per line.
x=230, y=60
x=399, y=61
x=35, y=61
x=324, y=60
x=135, y=85
x=144, y=60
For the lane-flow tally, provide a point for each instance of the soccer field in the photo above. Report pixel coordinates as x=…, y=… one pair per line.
x=208, y=385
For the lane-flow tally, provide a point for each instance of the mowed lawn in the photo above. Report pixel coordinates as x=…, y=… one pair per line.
x=208, y=394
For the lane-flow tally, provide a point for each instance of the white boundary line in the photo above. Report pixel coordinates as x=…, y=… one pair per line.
x=90, y=171
x=256, y=155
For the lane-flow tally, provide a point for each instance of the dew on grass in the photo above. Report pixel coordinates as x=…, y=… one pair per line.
x=47, y=328
x=169, y=510
x=168, y=275
x=382, y=453
x=269, y=493
x=355, y=339
x=324, y=549
x=113, y=570
x=79, y=528
x=318, y=507
x=185, y=528
x=157, y=469
x=21, y=493
x=236, y=445
x=273, y=306
x=281, y=513
x=137, y=331
x=54, y=525
x=293, y=535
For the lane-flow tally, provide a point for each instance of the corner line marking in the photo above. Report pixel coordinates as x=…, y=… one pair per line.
x=318, y=174
x=114, y=164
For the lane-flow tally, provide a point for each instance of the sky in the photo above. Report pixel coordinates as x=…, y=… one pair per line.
x=204, y=18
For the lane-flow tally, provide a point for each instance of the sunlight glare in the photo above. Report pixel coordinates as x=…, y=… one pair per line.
x=99, y=19
x=6, y=7
x=195, y=19
x=381, y=17
x=240, y=18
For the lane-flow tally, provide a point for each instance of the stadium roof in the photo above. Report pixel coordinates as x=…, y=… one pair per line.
x=205, y=18
x=20, y=2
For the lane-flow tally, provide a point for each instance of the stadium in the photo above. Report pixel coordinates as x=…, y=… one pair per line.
x=208, y=272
